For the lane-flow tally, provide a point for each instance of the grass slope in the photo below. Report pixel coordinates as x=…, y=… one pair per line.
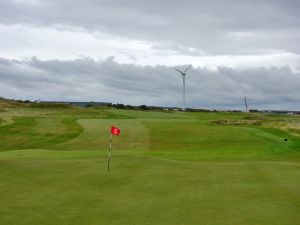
x=167, y=168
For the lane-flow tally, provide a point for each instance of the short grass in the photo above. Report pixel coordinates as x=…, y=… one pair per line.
x=167, y=168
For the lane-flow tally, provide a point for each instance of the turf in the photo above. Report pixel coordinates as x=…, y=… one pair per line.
x=167, y=168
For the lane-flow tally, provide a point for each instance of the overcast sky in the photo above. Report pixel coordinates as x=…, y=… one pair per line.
x=125, y=50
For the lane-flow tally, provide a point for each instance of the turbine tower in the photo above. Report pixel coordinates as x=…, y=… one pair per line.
x=246, y=104
x=183, y=73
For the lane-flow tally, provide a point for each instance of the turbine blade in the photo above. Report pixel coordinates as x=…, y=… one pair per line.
x=178, y=70
x=188, y=68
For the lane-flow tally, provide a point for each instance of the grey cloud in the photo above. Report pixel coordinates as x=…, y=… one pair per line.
x=214, y=27
x=85, y=79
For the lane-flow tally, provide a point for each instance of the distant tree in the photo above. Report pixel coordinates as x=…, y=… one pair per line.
x=143, y=107
x=129, y=107
x=120, y=106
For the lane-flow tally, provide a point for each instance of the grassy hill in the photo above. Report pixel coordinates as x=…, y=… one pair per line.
x=167, y=167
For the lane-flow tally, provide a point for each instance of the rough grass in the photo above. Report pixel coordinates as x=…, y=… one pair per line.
x=45, y=105
x=167, y=168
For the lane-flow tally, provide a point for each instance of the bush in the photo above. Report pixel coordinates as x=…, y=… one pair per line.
x=143, y=107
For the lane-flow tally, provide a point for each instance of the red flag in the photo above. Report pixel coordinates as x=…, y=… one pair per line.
x=115, y=131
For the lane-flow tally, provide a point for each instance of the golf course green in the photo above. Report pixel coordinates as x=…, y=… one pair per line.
x=167, y=167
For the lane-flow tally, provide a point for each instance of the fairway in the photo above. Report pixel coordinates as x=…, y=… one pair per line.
x=167, y=168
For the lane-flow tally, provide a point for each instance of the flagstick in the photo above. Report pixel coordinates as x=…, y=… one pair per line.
x=109, y=150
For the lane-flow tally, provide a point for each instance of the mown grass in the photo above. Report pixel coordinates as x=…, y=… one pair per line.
x=29, y=132
x=167, y=168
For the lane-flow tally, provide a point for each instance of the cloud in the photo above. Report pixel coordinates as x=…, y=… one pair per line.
x=20, y=41
x=85, y=79
x=214, y=27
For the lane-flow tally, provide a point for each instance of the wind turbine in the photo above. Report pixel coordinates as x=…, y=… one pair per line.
x=183, y=73
x=246, y=104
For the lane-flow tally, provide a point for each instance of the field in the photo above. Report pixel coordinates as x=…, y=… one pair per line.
x=167, y=168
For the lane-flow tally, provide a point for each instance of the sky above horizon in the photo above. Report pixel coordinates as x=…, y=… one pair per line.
x=125, y=51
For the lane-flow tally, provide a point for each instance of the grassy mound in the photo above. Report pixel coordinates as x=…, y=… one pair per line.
x=47, y=105
x=238, y=122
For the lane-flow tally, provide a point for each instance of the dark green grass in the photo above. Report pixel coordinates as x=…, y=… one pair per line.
x=167, y=168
